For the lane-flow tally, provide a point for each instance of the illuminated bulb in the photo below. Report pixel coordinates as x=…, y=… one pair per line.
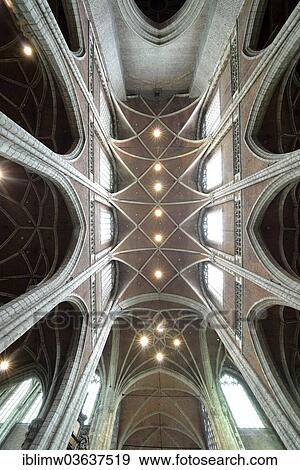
x=158, y=274
x=158, y=186
x=177, y=342
x=158, y=238
x=27, y=50
x=159, y=357
x=157, y=133
x=157, y=167
x=1, y=174
x=4, y=366
x=160, y=328
x=158, y=212
x=8, y=3
x=144, y=341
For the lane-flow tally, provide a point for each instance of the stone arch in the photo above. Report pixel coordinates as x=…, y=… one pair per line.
x=33, y=215
x=156, y=33
x=267, y=18
x=51, y=350
x=280, y=201
x=32, y=94
x=274, y=315
x=160, y=11
x=66, y=13
x=279, y=87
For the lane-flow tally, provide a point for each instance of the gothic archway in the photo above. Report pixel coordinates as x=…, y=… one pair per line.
x=160, y=11
x=46, y=351
x=268, y=18
x=67, y=16
x=275, y=332
x=272, y=229
x=279, y=98
x=36, y=230
x=29, y=91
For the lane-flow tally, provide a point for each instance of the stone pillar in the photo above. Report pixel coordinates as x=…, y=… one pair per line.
x=105, y=420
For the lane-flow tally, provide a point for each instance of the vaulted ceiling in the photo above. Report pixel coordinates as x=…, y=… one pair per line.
x=144, y=161
x=160, y=403
x=157, y=156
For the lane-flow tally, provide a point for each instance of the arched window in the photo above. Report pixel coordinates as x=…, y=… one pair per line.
x=106, y=171
x=91, y=398
x=214, y=281
x=33, y=411
x=19, y=404
x=208, y=430
x=212, y=172
x=106, y=225
x=241, y=407
x=105, y=114
x=212, y=116
x=107, y=283
x=213, y=225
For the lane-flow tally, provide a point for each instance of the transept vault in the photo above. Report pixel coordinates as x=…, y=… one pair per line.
x=149, y=224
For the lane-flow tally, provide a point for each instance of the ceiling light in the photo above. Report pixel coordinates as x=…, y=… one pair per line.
x=160, y=328
x=27, y=50
x=177, y=342
x=157, y=133
x=158, y=186
x=159, y=357
x=144, y=341
x=158, y=274
x=8, y=3
x=157, y=167
x=158, y=212
x=1, y=174
x=4, y=366
x=158, y=238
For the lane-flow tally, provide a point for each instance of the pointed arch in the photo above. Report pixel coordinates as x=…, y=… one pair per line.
x=32, y=93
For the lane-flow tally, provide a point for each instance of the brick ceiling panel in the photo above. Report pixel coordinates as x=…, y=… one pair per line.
x=159, y=263
x=138, y=121
x=137, y=165
x=177, y=166
x=155, y=145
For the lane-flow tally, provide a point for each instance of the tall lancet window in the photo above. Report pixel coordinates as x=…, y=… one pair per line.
x=22, y=403
x=107, y=283
x=212, y=173
x=213, y=225
x=241, y=407
x=91, y=398
x=106, y=225
x=106, y=172
x=212, y=116
x=214, y=281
